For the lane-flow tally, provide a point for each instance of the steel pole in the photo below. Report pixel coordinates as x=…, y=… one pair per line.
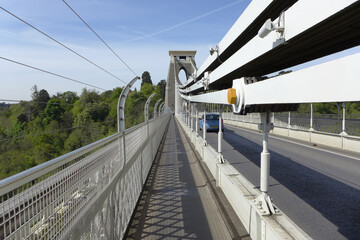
x=265, y=155
x=311, y=117
x=343, y=120
x=204, y=125
x=220, y=135
x=196, y=121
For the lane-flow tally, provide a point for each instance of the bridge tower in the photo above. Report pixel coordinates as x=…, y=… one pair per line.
x=179, y=60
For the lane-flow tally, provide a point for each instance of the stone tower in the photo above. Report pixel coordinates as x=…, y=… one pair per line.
x=180, y=60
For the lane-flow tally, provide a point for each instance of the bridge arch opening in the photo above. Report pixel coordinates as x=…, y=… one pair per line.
x=182, y=76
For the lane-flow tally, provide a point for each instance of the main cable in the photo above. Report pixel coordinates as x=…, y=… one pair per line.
x=54, y=74
x=100, y=38
x=63, y=45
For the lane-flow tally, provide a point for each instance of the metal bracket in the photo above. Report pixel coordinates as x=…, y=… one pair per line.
x=221, y=158
x=264, y=205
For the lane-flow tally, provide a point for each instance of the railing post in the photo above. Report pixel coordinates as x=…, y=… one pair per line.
x=191, y=117
x=121, y=105
x=220, y=135
x=204, y=126
x=311, y=118
x=146, y=108
x=196, y=121
x=263, y=199
x=343, y=132
x=155, y=108
x=160, y=111
x=121, y=112
x=289, y=120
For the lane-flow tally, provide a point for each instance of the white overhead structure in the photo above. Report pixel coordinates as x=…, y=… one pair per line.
x=261, y=43
x=121, y=105
x=146, y=108
x=310, y=31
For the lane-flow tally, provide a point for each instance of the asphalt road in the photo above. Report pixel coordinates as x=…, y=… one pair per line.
x=317, y=187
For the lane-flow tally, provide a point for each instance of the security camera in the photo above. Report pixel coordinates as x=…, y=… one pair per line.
x=266, y=28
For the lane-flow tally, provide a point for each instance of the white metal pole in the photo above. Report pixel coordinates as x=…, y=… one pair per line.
x=311, y=117
x=265, y=155
x=343, y=121
x=196, y=121
x=191, y=117
x=220, y=135
x=204, y=125
x=289, y=120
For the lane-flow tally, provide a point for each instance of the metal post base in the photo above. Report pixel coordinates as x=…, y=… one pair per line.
x=221, y=158
x=264, y=205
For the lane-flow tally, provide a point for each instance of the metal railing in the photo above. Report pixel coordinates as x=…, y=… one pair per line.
x=328, y=123
x=89, y=193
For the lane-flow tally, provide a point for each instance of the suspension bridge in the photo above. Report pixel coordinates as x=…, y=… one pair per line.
x=269, y=175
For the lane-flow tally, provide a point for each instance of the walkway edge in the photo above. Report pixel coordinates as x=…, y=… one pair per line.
x=228, y=214
x=241, y=195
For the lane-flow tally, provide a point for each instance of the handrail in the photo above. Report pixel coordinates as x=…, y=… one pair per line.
x=51, y=199
x=15, y=181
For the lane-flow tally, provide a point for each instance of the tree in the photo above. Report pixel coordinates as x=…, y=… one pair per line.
x=162, y=86
x=40, y=99
x=146, y=78
x=52, y=111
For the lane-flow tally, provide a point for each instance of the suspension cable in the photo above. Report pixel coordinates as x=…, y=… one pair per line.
x=54, y=74
x=63, y=45
x=100, y=38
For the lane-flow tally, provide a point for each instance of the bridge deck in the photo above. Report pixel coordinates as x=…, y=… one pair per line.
x=179, y=199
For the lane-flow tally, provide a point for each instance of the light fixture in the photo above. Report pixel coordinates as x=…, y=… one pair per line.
x=270, y=26
x=213, y=50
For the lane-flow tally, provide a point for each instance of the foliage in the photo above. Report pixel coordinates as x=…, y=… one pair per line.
x=46, y=127
x=146, y=78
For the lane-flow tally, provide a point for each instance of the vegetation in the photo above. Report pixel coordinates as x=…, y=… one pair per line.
x=352, y=108
x=34, y=132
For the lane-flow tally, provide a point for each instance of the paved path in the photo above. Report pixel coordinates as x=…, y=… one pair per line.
x=178, y=199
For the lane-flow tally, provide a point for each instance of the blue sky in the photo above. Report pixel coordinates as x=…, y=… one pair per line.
x=141, y=32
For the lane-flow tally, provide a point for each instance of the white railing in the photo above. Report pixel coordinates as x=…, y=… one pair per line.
x=89, y=193
x=327, y=123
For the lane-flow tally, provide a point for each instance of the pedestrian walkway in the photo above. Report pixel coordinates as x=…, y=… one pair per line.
x=177, y=201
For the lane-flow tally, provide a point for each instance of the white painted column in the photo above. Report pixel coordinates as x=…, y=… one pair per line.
x=220, y=136
x=289, y=120
x=191, y=116
x=343, y=120
x=196, y=121
x=204, y=126
x=265, y=126
x=311, y=117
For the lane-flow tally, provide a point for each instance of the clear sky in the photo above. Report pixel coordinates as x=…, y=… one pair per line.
x=140, y=31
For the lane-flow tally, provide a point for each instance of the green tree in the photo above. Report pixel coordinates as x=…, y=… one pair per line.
x=52, y=111
x=146, y=78
x=162, y=86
